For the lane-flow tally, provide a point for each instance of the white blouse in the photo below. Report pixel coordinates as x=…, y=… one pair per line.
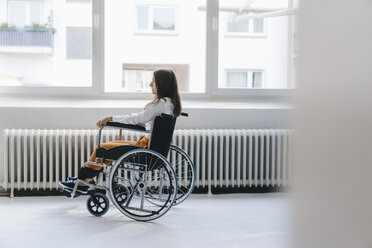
x=148, y=115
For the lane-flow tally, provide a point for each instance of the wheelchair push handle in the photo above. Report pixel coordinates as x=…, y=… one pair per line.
x=185, y=114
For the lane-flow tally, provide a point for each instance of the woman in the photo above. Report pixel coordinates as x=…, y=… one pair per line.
x=166, y=100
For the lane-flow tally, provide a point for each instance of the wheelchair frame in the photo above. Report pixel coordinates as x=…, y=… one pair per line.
x=96, y=190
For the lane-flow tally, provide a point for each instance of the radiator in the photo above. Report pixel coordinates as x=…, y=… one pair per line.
x=38, y=159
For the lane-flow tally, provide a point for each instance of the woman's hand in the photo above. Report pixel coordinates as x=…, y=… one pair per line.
x=103, y=122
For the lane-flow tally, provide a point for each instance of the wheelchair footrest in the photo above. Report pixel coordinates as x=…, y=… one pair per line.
x=68, y=193
x=72, y=178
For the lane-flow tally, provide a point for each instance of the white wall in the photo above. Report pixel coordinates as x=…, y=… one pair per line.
x=333, y=198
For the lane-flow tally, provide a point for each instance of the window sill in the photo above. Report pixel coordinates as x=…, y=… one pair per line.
x=156, y=33
x=232, y=35
x=46, y=102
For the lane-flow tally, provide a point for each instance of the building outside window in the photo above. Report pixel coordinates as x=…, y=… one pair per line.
x=46, y=43
x=79, y=43
x=252, y=43
x=140, y=38
x=145, y=37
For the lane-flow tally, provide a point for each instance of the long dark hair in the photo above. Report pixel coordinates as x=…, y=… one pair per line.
x=166, y=86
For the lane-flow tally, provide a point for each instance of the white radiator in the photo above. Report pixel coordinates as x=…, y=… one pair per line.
x=38, y=159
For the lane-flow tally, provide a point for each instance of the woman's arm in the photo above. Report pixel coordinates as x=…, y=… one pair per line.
x=143, y=117
x=103, y=122
x=140, y=118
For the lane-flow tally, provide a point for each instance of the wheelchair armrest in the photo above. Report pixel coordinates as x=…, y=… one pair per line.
x=126, y=126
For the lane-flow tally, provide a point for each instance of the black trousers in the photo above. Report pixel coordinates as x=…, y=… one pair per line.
x=86, y=172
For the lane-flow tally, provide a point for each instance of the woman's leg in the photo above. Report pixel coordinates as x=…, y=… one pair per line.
x=90, y=171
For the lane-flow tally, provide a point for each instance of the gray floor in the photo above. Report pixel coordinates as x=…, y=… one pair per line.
x=231, y=220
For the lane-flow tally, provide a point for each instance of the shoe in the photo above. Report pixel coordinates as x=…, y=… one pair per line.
x=71, y=185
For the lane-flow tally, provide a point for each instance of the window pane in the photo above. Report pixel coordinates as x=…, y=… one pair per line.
x=131, y=57
x=142, y=18
x=56, y=54
x=164, y=19
x=17, y=13
x=79, y=43
x=234, y=25
x=35, y=13
x=236, y=79
x=256, y=79
x=258, y=25
x=262, y=52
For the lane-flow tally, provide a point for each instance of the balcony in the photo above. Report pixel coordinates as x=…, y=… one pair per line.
x=27, y=40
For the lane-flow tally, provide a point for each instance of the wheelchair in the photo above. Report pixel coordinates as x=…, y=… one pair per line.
x=141, y=182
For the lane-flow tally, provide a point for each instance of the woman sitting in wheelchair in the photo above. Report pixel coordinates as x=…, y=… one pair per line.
x=166, y=101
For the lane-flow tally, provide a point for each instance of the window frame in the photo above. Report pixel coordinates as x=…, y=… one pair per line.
x=212, y=92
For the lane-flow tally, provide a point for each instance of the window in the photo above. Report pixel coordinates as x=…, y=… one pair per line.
x=35, y=13
x=137, y=42
x=253, y=43
x=236, y=79
x=156, y=19
x=164, y=19
x=24, y=13
x=143, y=18
x=79, y=43
x=258, y=25
x=243, y=26
x=233, y=25
x=50, y=49
x=243, y=79
x=68, y=47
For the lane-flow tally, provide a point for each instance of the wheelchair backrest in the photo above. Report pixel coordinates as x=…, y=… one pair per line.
x=162, y=133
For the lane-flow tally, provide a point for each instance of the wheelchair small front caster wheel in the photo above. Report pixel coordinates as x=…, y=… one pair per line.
x=121, y=193
x=98, y=204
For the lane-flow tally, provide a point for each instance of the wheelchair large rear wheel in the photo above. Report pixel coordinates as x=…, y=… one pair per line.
x=185, y=172
x=150, y=180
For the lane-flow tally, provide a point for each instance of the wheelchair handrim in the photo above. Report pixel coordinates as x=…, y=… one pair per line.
x=169, y=171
